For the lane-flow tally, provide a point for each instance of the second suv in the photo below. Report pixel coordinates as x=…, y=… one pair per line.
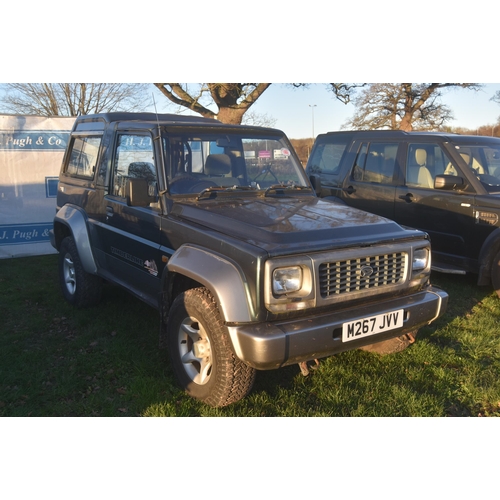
x=447, y=185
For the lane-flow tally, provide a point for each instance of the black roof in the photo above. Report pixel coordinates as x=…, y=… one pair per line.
x=148, y=117
x=391, y=133
x=446, y=136
x=98, y=121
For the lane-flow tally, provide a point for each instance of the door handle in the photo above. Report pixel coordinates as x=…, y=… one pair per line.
x=349, y=190
x=109, y=212
x=408, y=197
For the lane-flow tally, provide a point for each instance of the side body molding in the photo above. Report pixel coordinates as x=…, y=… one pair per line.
x=221, y=276
x=75, y=220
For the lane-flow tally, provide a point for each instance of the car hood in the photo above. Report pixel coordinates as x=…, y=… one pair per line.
x=279, y=225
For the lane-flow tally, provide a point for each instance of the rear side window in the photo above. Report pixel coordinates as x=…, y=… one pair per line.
x=83, y=157
x=327, y=157
x=375, y=163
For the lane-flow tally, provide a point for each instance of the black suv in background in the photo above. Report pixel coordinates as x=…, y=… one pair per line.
x=447, y=185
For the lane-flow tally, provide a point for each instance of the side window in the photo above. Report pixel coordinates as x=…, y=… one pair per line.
x=375, y=163
x=327, y=157
x=83, y=156
x=474, y=160
x=424, y=162
x=133, y=159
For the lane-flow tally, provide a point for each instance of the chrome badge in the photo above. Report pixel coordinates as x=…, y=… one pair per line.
x=366, y=271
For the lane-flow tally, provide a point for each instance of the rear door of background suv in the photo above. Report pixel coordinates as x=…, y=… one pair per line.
x=370, y=183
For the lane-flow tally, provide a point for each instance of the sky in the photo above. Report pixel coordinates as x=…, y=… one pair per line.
x=306, y=112
x=298, y=110
x=302, y=113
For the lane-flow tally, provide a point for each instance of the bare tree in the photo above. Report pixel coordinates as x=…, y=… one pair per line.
x=72, y=99
x=403, y=106
x=231, y=99
x=344, y=92
x=258, y=119
x=496, y=98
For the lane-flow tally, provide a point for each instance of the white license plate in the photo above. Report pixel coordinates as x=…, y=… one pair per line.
x=371, y=326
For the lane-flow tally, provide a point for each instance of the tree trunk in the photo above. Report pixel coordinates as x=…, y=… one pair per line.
x=231, y=115
x=405, y=123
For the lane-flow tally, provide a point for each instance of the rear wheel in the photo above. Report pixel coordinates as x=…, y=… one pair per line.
x=495, y=274
x=79, y=288
x=201, y=354
x=390, y=346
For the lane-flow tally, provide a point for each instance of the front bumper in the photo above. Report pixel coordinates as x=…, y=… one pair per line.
x=271, y=345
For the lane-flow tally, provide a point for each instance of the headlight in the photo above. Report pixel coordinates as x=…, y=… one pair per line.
x=287, y=280
x=421, y=259
x=289, y=284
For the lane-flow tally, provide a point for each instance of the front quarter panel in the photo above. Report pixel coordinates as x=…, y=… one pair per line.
x=74, y=220
x=221, y=276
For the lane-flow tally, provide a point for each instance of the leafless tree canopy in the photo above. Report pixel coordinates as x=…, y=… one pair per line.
x=73, y=99
x=403, y=106
x=231, y=99
x=344, y=92
x=258, y=119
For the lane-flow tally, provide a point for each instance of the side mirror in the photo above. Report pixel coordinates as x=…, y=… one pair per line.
x=448, y=182
x=316, y=184
x=138, y=193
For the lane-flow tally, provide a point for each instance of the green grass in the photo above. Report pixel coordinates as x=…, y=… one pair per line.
x=56, y=360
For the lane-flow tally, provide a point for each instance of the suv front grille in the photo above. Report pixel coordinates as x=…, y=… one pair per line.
x=361, y=274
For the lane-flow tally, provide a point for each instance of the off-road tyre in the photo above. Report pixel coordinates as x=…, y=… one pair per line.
x=200, y=351
x=390, y=346
x=495, y=274
x=79, y=288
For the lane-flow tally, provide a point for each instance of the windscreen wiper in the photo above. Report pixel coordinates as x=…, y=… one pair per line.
x=213, y=190
x=284, y=187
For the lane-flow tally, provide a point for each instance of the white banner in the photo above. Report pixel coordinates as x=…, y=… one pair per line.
x=31, y=152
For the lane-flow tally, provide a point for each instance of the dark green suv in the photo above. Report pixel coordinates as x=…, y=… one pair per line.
x=447, y=185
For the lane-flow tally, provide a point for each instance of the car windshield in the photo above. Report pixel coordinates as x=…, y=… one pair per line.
x=223, y=162
x=484, y=161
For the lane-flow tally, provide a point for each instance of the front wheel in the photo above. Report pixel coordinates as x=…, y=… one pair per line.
x=200, y=351
x=79, y=288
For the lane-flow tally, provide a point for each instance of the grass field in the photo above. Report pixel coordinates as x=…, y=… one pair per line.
x=59, y=361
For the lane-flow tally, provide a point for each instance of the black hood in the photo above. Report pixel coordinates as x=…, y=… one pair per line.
x=280, y=225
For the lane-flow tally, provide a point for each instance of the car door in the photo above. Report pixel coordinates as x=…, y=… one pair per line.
x=446, y=215
x=130, y=235
x=371, y=183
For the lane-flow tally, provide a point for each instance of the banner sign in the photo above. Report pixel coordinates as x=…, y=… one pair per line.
x=24, y=233
x=31, y=153
x=46, y=141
